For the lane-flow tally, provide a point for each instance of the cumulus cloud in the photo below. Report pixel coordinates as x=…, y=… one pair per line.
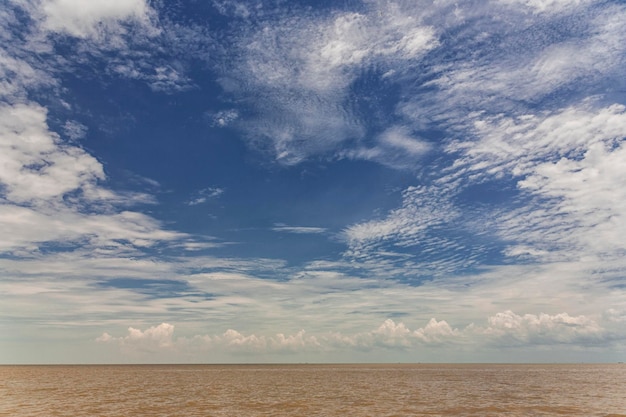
x=153, y=338
x=52, y=191
x=436, y=332
x=394, y=335
x=504, y=329
x=510, y=328
x=160, y=337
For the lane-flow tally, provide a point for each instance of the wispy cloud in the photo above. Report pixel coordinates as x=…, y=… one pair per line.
x=205, y=194
x=304, y=66
x=516, y=138
x=279, y=227
x=569, y=163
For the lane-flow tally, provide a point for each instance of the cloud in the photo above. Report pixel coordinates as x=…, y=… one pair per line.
x=504, y=329
x=279, y=227
x=412, y=227
x=546, y=6
x=517, y=65
x=36, y=165
x=74, y=130
x=125, y=37
x=419, y=211
x=50, y=189
x=509, y=328
x=161, y=337
x=563, y=170
x=223, y=118
x=65, y=227
x=204, y=195
x=392, y=335
x=83, y=20
x=153, y=338
x=297, y=73
x=396, y=148
x=52, y=192
x=18, y=75
x=235, y=341
x=569, y=165
x=508, y=112
x=436, y=332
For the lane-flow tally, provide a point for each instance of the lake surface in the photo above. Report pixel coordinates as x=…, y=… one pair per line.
x=313, y=390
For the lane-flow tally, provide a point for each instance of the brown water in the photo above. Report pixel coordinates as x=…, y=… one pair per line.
x=313, y=390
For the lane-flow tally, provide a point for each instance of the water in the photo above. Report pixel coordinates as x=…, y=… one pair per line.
x=313, y=390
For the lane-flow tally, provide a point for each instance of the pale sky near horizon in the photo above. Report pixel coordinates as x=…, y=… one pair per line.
x=312, y=181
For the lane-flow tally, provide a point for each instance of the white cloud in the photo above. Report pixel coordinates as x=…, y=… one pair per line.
x=279, y=227
x=52, y=192
x=391, y=334
x=168, y=79
x=161, y=337
x=352, y=39
x=27, y=227
x=205, y=194
x=223, y=118
x=509, y=328
x=34, y=163
x=546, y=6
x=87, y=19
x=17, y=75
x=398, y=137
x=153, y=338
x=396, y=147
x=504, y=329
x=74, y=130
x=436, y=332
x=422, y=208
x=304, y=67
x=571, y=163
x=237, y=342
x=163, y=78
x=232, y=8
x=125, y=36
x=518, y=65
x=568, y=167
x=398, y=336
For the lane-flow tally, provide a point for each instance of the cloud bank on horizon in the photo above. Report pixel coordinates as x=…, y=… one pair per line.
x=289, y=182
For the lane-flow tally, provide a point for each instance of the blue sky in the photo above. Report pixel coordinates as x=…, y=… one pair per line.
x=224, y=181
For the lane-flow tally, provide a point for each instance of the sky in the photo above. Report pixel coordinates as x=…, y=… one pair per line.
x=225, y=181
